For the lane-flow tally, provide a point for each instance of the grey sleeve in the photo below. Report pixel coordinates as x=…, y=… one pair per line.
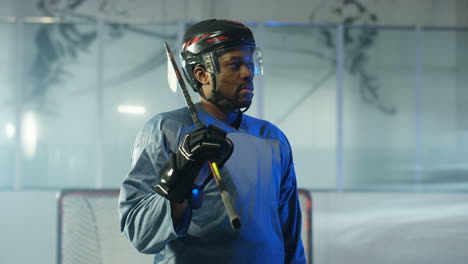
x=145, y=217
x=290, y=212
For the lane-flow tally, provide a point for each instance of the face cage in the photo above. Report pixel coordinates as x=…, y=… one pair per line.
x=211, y=63
x=211, y=60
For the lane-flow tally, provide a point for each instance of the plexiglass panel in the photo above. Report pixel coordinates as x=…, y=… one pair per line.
x=444, y=111
x=59, y=99
x=7, y=106
x=300, y=97
x=135, y=88
x=379, y=111
x=405, y=102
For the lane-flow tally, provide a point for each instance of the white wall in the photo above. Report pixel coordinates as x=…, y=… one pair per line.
x=388, y=228
x=28, y=227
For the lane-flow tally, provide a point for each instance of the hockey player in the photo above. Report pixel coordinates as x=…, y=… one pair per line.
x=170, y=206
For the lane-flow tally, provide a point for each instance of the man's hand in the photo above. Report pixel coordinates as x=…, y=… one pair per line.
x=198, y=146
x=206, y=143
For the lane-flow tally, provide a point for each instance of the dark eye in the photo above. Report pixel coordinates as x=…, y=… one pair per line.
x=235, y=66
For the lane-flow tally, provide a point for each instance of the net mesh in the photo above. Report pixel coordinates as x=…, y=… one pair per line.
x=88, y=231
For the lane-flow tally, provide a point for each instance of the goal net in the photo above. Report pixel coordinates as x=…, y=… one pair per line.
x=88, y=229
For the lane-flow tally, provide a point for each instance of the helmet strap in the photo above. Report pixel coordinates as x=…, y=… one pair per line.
x=220, y=101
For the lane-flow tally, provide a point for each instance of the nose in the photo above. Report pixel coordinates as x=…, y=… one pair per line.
x=247, y=72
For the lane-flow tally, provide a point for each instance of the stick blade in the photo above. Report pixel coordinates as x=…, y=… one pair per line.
x=171, y=75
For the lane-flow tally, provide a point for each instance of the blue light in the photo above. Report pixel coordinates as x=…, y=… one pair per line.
x=274, y=23
x=195, y=192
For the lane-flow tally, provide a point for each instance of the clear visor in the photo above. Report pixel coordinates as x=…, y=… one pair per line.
x=258, y=61
x=233, y=60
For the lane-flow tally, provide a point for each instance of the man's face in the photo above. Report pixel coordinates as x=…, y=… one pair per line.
x=235, y=78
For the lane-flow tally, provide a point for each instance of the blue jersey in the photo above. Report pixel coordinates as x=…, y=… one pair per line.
x=259, y=176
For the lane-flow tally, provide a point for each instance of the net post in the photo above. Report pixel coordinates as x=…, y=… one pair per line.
x=307, y=211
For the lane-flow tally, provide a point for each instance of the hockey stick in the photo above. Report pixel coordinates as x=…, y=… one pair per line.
x=173, y=71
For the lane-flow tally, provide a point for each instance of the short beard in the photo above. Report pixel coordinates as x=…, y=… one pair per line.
x=228, y=105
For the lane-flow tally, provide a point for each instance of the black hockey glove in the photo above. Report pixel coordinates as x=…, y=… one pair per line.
x=198, y=146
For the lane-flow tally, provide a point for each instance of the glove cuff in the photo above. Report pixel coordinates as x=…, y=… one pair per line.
x=177, y=177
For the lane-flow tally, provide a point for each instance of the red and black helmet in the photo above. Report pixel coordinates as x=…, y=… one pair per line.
x=204, y=41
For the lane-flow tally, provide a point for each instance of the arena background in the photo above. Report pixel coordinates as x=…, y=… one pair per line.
x=372, y=95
